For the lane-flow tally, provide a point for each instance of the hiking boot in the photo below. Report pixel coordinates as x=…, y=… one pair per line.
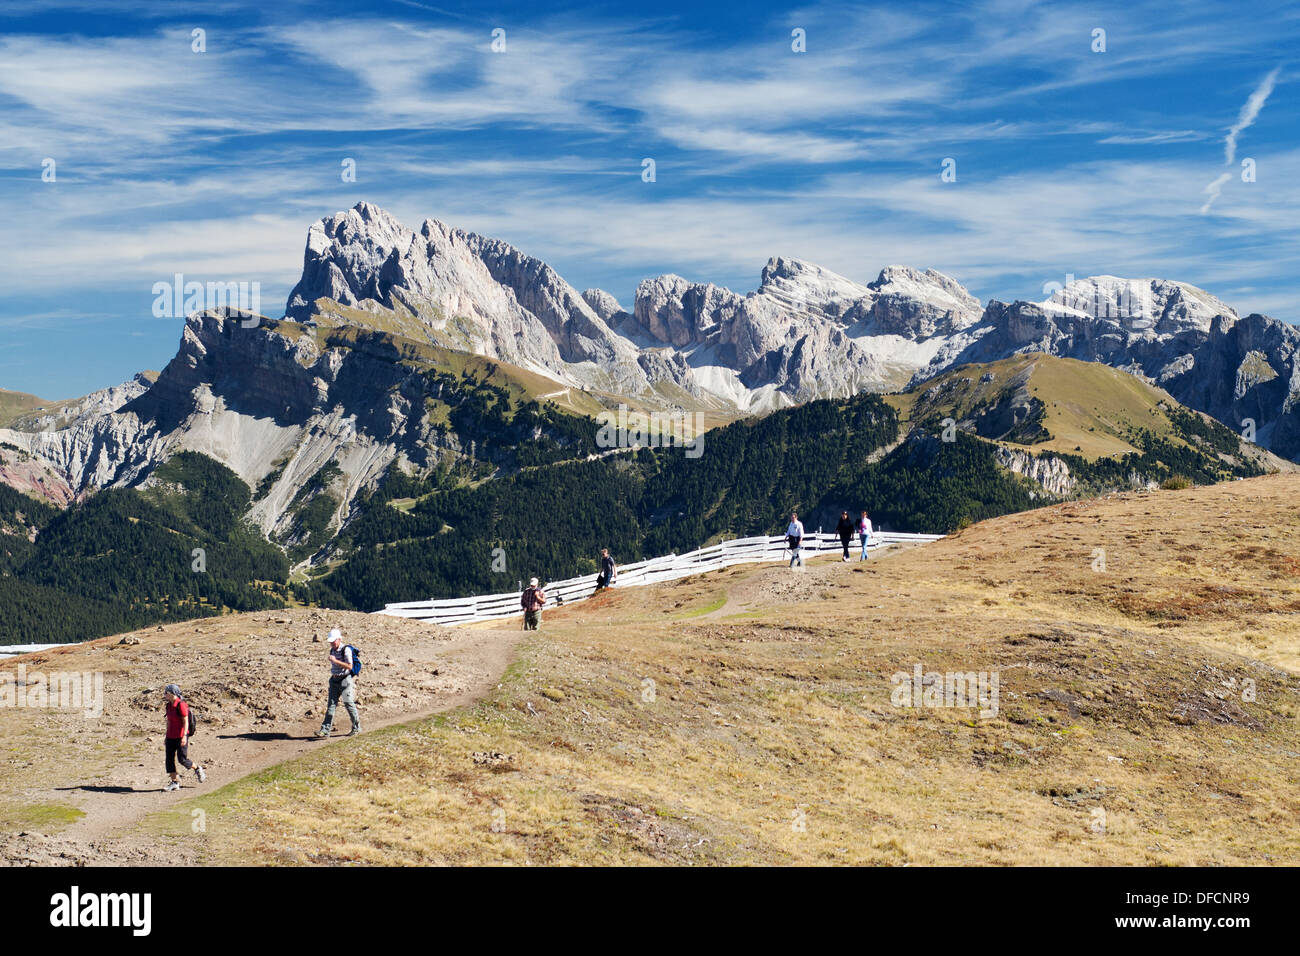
x=174, y=785
x=201, y=774
x=322, y=732
x=354, y=731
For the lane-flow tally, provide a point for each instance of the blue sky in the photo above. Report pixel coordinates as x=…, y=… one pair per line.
x=214, y=164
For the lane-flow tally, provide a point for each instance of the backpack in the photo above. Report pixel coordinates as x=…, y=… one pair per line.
x=191, y=723
x=356, y=660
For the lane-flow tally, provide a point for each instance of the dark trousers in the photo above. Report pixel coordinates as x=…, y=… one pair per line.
x=176, y=752
x=531, y=620
x=844, y=540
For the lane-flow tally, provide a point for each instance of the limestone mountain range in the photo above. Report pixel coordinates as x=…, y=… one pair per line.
x=278, y=400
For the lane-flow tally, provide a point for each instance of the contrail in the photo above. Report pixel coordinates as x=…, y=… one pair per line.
x=1214, y=189
x=1249, y=110
x=1247, y=115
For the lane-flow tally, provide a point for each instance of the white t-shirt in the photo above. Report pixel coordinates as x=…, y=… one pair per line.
x=795, y=530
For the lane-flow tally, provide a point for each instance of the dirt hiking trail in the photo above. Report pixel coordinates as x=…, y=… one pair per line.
x=73, y=786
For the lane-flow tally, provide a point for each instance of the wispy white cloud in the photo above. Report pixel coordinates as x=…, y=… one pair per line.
x=1161, y=136
x=793, y=147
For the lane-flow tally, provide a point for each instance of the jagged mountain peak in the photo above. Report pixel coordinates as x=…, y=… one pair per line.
x=363, y=222
x=900, y=273
x=603, y=304
x=936, y=288
x=791, y=268
x=805, y=286
x=1140, y=304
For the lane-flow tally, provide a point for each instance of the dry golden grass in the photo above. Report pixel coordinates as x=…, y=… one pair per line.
x=1125, y=732
x=16, y=404
x=1089, y=409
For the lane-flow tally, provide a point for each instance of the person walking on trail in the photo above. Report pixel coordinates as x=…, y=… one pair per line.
x=178, y=737
x=864, y=534
x=532, y=601
x=793, y=536
x=845, y=530
x=342, y=685
x=608, y=573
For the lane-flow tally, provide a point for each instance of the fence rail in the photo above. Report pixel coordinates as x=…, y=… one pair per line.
x=490, y=607
x=17, y=650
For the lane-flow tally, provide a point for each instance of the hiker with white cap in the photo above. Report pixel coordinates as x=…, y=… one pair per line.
x=794, y=538
x=345, y=664
x=180, y=724
x=532, y=601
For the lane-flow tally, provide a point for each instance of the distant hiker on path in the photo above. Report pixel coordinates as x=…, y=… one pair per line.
x=532, y=601
x=608, y=573
x=864, y=534
x=794, y=535
x=180, y=724
x=344, y=666
x=845, y=530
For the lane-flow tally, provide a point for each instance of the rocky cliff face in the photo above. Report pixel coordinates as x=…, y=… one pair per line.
x=918, y=305
x=1244, y=373
x=61, y=452
x=463, y=291
x=65, y=414
x=265, y=401
x=1050, y=472
x=807, y=332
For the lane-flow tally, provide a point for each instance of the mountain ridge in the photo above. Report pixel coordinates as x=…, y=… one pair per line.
x=347, y=377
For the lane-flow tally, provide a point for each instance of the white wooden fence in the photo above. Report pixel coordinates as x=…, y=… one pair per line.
x=489, y=607
x=16, y=650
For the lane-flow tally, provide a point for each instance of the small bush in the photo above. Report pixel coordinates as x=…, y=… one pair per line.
x=1176, y=483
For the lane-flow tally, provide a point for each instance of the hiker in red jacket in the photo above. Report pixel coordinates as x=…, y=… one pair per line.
x=178, y=737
